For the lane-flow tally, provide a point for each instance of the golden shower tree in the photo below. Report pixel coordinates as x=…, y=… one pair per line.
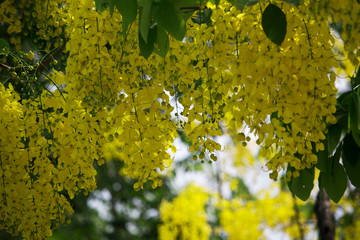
x=77, y=75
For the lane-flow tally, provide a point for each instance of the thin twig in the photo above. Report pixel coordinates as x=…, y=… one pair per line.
x=49, y=59
x=39, y=68
x=308, y=37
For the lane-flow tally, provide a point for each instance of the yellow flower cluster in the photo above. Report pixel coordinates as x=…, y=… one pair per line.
x=226, y=75
x=345, y=17
x=47, y=154
x=29, y=202
x=105, y=71
x=185, y=217
x=262, y=79
x=248, y=220
x=240, y=221
x=38, y=20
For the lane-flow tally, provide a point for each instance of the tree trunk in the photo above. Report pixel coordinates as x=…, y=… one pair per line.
x=325, y=217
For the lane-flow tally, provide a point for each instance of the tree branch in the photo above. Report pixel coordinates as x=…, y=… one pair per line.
x=39, y=68
x=325, y=217
x=49, y=59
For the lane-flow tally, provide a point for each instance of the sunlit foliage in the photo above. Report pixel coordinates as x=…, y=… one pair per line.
x=224, y=76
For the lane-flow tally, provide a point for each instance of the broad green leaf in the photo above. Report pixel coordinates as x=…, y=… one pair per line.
x=301, y=186
x=125, y=26
x=127, y=8
x=166, y=16
x=240, y=4
x=147, y=48
x=186, y=13
x=333, y=138
x=111, y=6
x=274, y=24
x=351, y=159
x=355, y=112
x=356, y=137
x=335, y=182
x=345, y=101
x=342, y=121
x=145, y=19
x=187, y=3
x=4, y=46
x=186, y=8
x=182, y=30
x=162, y=42
x=101, y=5
x=323, y=160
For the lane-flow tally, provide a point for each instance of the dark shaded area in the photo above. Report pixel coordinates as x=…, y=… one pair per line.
x=131, y=214
x=325, y=217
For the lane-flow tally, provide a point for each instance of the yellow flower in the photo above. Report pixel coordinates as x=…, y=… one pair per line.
x=30, y=55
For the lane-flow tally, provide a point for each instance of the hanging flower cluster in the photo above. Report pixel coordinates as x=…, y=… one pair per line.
x=225, y=76
x=185, y=217
x=41, y=21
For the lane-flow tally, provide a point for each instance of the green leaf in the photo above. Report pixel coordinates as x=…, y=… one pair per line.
x=301, y=186
x=345, y=103
x=344, y=99
x=356, y=137
x=162, y=42
x=146, y=48
x=181, y=32
x=101, y=5
x=355, y=81
x=187, y=3
x=125, y=26
x=127, y=8
x=111, y=6
x=274, y=24
x=4, y=46
x=323, y=160
x=351, y=159
x=333, y=138
x=355, y=112
x=215, y=2
x=165, y=15
x=335, y=182
x=240, y=4
x=145, y=18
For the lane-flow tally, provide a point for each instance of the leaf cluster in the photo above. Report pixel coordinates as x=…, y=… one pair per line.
x=340, y=159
